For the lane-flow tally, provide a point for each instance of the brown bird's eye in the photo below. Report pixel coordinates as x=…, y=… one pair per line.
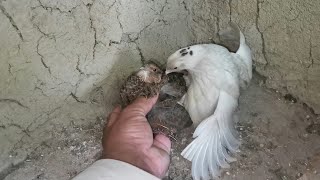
x=155, y=70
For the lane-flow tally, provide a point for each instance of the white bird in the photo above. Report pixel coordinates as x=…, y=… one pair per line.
x=214, y=78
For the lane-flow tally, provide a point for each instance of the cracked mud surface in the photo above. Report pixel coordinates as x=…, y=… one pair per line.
x=62, y=63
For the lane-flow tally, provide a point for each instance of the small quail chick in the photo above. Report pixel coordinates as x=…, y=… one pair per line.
x=167, y=116
x=144, y=83
x=151, y=73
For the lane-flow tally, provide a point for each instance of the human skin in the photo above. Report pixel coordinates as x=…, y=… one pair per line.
x=128, y=137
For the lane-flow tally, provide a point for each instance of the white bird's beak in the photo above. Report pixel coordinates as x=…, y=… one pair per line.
x=168, y=72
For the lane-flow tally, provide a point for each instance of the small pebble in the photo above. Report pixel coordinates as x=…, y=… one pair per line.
x=308, y=117
x=314, y=131
x=299, y=175
x=261, y=145
x=228, y=173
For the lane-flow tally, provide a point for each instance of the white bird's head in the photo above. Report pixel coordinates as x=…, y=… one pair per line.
x=183, y=59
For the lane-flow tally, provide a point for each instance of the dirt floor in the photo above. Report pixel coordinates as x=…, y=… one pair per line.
x=62, y=63
x=280, y=140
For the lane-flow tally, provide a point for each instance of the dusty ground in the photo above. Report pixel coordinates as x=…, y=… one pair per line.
x=280, y=140
x=61, y=64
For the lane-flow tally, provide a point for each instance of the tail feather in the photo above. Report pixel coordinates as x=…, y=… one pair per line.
x=213, y=167
x=242, y=38
x=201, y=127
x=213, y=139
x=245, y=53
x=204, y=163
x=200, y=170
x=192, y=149
x=219, y=153
x=228, y=138
x=189, y=152
x=227, y=155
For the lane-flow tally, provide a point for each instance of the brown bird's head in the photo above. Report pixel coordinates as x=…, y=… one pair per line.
x=150, y=73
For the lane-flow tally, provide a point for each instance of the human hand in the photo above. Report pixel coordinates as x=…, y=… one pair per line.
x=128, y=137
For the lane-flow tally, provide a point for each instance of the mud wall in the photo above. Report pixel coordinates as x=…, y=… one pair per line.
x=284, y=37
x=62, y=62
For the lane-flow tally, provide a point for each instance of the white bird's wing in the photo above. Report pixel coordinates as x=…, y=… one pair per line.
x=244, y=73
x=214, y=141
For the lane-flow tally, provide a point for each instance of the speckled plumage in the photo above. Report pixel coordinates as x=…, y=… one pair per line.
x=167, y=116
x=141, y=84
x=135, y=87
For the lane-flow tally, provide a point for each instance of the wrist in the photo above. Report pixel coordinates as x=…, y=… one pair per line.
x=141, y=160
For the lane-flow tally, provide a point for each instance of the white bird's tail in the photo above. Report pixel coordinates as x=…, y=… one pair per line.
x=233, y=39
x=214, y=141
x=245, y=53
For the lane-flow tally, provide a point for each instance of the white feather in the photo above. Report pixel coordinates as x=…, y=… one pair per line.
x=216, y=76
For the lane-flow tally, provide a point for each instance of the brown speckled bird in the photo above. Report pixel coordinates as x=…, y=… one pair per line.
x=144, y=83
x=167, y=116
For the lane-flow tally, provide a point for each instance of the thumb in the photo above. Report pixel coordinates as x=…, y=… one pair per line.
x=143, y=105
x=113, y=116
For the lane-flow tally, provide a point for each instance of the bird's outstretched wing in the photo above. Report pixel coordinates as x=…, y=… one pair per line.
x=214, y=141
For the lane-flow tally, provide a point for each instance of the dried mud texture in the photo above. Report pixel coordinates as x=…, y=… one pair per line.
x=283, y=34
x=62, y=63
